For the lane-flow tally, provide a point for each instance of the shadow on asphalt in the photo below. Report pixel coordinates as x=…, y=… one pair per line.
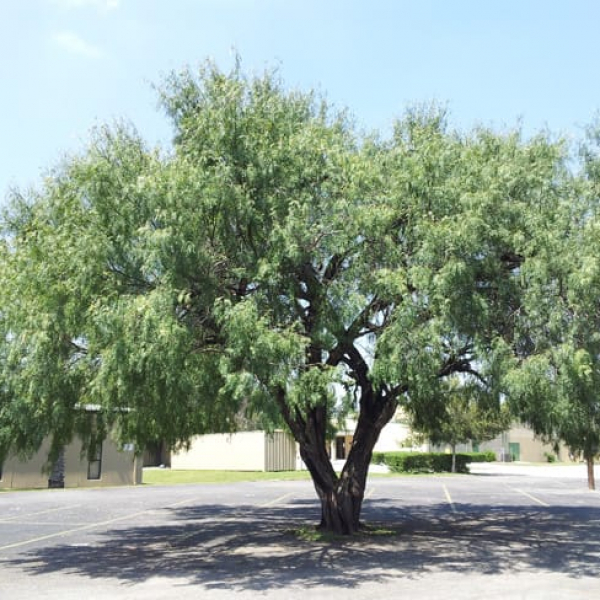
x=245, y=548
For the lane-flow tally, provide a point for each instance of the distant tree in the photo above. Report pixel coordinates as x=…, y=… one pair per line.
x=469, y=414
x=555, y=385
x=274, y=257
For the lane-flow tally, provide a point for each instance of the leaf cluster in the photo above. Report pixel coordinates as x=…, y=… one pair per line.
x=279, y=263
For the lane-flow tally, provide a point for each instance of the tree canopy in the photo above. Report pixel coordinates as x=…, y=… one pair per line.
x=554, y=386
x=470, y=414
x=276, y=256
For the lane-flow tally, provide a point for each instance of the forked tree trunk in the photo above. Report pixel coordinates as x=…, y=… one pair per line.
x=342, y=496
x=341, y=504
x=341, y=508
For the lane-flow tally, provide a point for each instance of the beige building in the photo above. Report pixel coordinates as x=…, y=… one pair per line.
x=242, y=451
x=395, y=436
x=109, y=466
x=261, y=451
x=519, y=443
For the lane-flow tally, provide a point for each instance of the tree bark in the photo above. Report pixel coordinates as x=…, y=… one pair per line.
x=454, y=458
x=342, y=496
x=589, y=459
x=340, y=509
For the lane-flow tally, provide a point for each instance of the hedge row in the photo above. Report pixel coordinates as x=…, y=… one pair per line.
x=429, y=462
x=378, y=458
x=487, y=456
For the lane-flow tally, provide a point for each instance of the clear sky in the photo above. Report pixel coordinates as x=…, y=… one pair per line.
x=67, y=65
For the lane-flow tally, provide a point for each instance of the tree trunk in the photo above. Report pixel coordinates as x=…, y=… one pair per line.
x=454, y=458
x=342, y=496
x=340, y=509
x=589, y=459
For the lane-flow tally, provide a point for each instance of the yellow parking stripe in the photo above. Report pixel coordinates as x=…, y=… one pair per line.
x=41, y=512
x=541, y=502
x=275, y=501
x=449, y=498
x=92, y=525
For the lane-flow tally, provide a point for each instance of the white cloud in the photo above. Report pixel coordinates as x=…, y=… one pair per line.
x=101, y=5
x=74, y=44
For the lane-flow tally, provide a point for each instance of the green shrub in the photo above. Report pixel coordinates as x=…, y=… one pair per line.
x=442, y=463
x=487, y=456
x=550, y=457
x=412, y=462
x=395, y=461
x=425, y=462
x=378, y=458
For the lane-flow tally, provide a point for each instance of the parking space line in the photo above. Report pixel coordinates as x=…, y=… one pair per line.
x=369, y=493
x=68, y=531
x=33, y=523
x=92, y=525
x=40, y=512
x=275, y=501
x=449, y=498
x=541, y=502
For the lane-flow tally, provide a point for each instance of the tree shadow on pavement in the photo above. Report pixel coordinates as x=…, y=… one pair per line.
x=249, y=548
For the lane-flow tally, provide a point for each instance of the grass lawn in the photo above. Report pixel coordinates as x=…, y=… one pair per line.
x=169, y=476
x=154, y=476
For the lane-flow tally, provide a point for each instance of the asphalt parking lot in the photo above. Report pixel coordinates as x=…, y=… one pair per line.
x=505, y=532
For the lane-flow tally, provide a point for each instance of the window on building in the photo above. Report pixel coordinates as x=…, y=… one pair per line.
x=340, y=448
x=95, y=461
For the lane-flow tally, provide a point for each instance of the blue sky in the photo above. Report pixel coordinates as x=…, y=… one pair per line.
x=67, y=65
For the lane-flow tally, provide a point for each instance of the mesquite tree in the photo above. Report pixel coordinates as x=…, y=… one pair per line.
x=275, y=260
x=554, y=384
x=469, y=414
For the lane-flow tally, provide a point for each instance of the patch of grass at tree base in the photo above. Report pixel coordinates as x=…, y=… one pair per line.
x=367, y=531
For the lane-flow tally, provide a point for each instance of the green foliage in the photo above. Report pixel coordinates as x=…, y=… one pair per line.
x=554, y=384
x=425, y=462
x=161, y=289
x=276, y=257
x=468, y=414
x=378, y=458
x=487, y=456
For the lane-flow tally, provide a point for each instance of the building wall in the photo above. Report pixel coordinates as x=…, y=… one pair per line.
x=242, y=451
x=280, y=452
x=118, y=467
x=531, y=448
x=17, y=473
x=392, y=437
x=396, y=435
